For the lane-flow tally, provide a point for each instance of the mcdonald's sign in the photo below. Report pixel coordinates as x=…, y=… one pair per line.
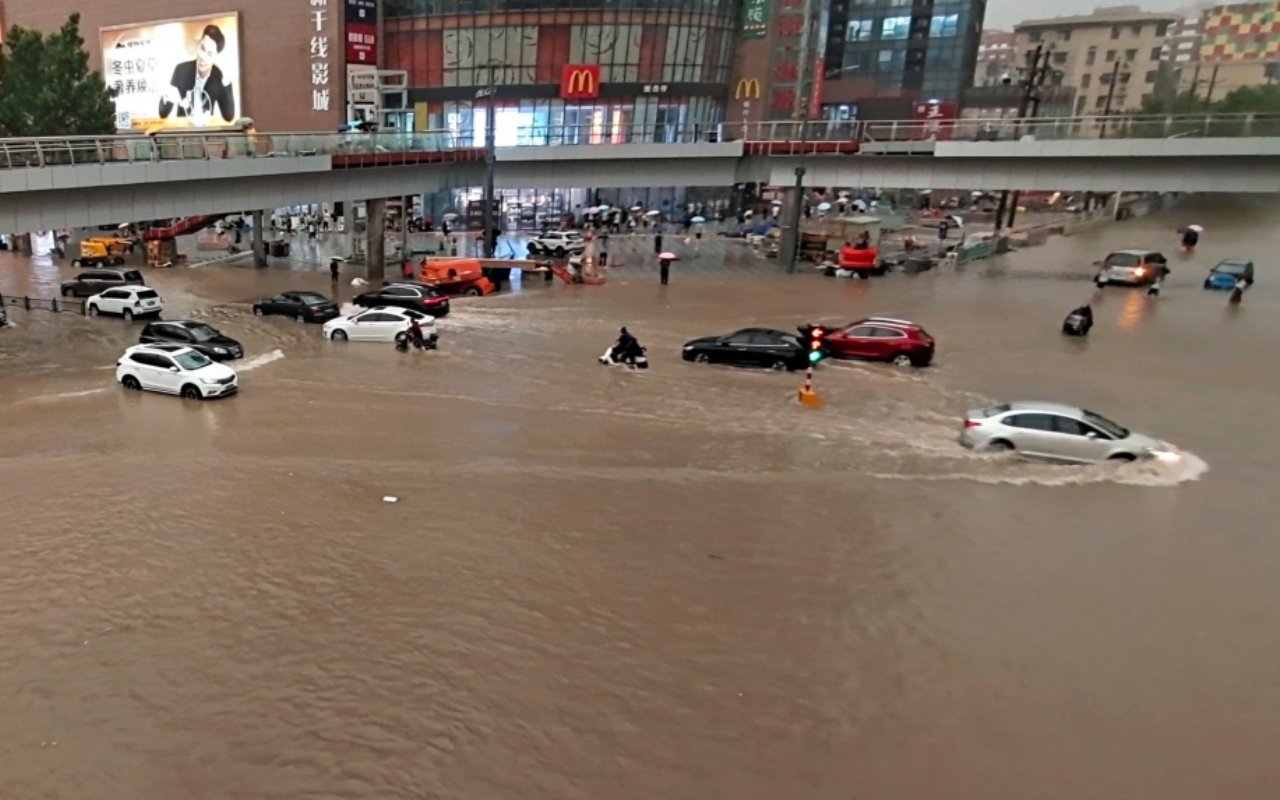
x=580, y=81
x=748, y=89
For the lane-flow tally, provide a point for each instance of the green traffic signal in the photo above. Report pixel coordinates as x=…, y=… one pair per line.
x=815, y=356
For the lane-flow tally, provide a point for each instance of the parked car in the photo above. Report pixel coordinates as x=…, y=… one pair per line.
x=380, y=324
x=197, y=335
x=897, y=341
x=558, y=244
x=750, y=347
x=1131, y=267
x=302, y=306
x=174, y=369
x=406, y=294
x=1057, y=432
x=1227, y=272
x=95, y=281
x=127, y=302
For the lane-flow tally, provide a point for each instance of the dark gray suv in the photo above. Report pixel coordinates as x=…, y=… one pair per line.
x=99, y=280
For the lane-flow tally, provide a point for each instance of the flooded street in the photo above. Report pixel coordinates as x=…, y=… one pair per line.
x=670, y=584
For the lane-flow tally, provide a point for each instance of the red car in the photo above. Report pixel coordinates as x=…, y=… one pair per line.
x=897, y=341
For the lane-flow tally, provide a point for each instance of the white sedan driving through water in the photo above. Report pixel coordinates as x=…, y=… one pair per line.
x=381, y=324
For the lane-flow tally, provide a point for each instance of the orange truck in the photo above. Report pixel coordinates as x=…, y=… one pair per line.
x=464, y=276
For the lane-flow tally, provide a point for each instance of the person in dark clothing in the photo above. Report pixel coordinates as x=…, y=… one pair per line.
x=333, y=270
x=657, y=243
x=626, y=346
x=197, y=87
x=664, y=270
x=1079, y=321
x=415, y=335
x=1190, y=238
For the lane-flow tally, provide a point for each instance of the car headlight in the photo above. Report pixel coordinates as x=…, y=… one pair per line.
x=209, y=381
x=222, y=351
x=1164, y=452
x=688, y=347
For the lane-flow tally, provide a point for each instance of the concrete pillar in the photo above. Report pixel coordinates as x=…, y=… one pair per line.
x=349, y=226
x=259, y=244
x=376, y=227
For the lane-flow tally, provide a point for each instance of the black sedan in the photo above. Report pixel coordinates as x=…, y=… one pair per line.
x=196, y=335
x=750, y=347
x=406, y=294
x=302, y=306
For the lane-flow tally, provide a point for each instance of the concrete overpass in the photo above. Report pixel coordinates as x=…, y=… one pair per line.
x=84, y=181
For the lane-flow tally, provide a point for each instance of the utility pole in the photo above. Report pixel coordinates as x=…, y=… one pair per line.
x=1213, y=81
x=488, y=94
x=1111, y=93
x=1033, y=76
x=800, y=107
x=1036, y=76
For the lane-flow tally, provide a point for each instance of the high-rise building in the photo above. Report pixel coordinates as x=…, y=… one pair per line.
x=1238, y=45
x=997, y=58
x=1112, y=57
x=1182, y=45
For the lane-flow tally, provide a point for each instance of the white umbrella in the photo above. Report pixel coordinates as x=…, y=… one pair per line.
x=824, y=206
x=451, y=215
x=977, y=193
x=653, y=213
x=1196, y=228
x=698, y=220
x=637, y=208
x=748, y=214
x=776, y=202
x=957, y=220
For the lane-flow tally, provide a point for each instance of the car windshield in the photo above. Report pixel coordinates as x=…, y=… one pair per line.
x=313, y=299
x=1230, y=268
x=202, y=333
x=1110, y=428
x=1124, y=260
x=191, y=360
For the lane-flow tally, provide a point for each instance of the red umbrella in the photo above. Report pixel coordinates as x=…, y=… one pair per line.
x=668, y=256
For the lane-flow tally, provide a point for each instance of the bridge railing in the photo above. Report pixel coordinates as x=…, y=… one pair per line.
x=130, y=148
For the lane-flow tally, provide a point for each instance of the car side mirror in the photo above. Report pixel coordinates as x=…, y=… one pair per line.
x=1091, y=435
x=173, y=369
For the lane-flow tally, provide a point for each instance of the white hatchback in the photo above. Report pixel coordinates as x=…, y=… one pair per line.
x=175, y=369
x=381, y=324
x=125, y=301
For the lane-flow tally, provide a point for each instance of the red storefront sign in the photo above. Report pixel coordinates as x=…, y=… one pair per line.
x=819, y=81
x=362, y=43
x=580, y=81
x=938, y=118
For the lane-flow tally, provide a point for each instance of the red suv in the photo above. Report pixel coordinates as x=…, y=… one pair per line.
x=882, y=339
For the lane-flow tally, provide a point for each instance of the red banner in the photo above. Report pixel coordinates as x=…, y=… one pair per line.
x=362, y=43
x=938, y=118
x=819, y=81
x=580, y=81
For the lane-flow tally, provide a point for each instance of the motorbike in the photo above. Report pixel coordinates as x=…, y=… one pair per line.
x=1076, y=324
x=636, y=360
x=404, y=341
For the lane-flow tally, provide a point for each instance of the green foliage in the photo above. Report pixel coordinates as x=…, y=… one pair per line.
x=47, y=88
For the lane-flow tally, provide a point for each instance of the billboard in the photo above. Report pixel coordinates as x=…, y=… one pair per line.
x=580, y=81
x=362, y=32
x=182, y=73
x=937, y=119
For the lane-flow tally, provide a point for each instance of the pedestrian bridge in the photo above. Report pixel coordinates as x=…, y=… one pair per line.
x=82, y=181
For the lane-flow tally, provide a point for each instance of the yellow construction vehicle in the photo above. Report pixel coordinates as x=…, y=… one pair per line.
x=103, y=251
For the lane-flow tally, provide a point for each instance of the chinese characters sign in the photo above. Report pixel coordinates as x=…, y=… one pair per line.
x=938, y=119
x=175, y=74
x=321, y=90
x=362, y=32
x=755, y=19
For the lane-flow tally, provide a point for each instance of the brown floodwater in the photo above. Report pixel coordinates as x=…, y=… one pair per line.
x=670, y=584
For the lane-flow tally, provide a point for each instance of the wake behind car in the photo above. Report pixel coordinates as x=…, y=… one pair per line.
x=127, y=302
x=95, y=281
x=382, y=324
x=750, y=347
x=558, y=244
x=302, y=306
x=197, y=335
x=1225, y=274
x=1131, y=267
x=897, y=341
x=406, y=294
x=174, y=369
x=1057, y=432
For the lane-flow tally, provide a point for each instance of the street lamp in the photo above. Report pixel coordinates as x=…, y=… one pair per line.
x=488, y=93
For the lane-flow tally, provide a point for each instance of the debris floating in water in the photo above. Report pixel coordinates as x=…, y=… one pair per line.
x=390, y=499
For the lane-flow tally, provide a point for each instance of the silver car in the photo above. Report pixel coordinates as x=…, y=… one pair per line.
x=1057, y=432
x=1132, y=267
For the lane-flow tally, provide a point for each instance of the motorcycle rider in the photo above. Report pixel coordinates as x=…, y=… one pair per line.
x=415, y=335
x=1079, y=321
x=626, y=348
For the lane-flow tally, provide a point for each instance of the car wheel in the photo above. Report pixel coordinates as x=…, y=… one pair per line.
x=131, y=383
x=1125, y=457
x=127, y=314
x=93, y=311
x=257, y=311
x=1207, y=284
x=75, y=262
x=559, y=252
x=338, y=336
x=1000, y=446
x=66, y=292
x=300, y=318
x=702, y=358
x=473, y=291
x=902, y=360
x=780, y=366
x=191, y=392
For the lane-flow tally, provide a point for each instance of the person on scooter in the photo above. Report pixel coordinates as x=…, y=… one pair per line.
x=415, y=335
x=1079, y=321
x=626, y=347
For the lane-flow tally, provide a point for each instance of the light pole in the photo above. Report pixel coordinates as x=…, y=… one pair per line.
x=796, y=213
x=1111, y=93
x=488, y=93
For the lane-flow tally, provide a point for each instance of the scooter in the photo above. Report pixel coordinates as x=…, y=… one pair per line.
x=404, y=341
x=612, y=359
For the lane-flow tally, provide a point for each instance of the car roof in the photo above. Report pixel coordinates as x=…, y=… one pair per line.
x=1134, y=252
x=900, y=323
x=771, y=331
x=1240, y=261
x=1045, y=406
x=171, y=349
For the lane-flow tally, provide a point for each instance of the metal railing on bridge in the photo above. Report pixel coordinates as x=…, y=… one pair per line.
x=134, y=148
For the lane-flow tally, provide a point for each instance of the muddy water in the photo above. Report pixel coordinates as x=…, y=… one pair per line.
x=673, y=584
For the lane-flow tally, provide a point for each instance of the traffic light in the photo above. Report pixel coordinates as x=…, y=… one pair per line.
x=817, y=342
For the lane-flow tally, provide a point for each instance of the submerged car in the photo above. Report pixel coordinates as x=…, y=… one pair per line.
x=197, y=335
x=381, y=324
x=302, y=306
x=1131, y=267
x=1057, y=432
x=750, y=347
x=1227, y=272
x=897, y=341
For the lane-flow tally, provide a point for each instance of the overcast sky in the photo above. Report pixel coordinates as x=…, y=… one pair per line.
x=1003, y=14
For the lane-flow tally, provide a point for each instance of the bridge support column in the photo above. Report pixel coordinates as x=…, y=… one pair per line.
x=376, y=229
x=259, y=245
x=789, y=247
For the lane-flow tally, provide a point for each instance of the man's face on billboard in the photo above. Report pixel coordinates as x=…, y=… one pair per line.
x=206, y=52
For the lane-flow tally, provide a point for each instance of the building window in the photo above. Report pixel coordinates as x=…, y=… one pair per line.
x=895, y=27
x=944, y=25
x=1162, y=28
x=1155, y=53
x=1034, y=36
x=859, y=30
x=1084, y=82
x=1115, y=33
x=1111, y=56
x=1065, y=35
x=1136, y=30
x=1080, y=106
x=1100, y=101
x=1059, y=58
x=1132, y=55
x=1090, y=56
x=1153, y=76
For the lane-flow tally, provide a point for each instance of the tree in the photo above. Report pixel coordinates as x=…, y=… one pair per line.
x=47, y=88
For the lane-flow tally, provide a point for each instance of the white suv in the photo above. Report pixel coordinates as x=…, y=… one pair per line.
x=125, y=301
x=175, y=369
x=558, y=244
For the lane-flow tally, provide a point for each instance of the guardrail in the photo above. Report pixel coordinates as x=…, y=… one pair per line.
x=130, y=148
x=55, y=304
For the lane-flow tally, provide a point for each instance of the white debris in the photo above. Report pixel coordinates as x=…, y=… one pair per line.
x=390, y=499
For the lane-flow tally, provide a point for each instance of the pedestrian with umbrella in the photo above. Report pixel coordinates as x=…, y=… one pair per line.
x=664, y=265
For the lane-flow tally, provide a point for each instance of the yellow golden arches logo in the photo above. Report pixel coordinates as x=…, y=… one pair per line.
x=582, y=82
x=748, y=89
